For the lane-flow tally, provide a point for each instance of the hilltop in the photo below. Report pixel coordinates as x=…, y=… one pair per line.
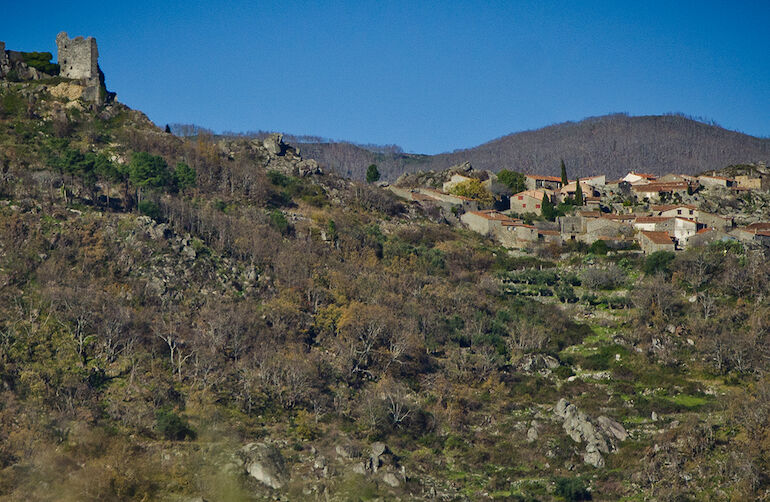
x=204, y=318
x=610, y=144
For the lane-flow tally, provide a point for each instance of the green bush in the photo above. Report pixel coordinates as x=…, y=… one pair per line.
x=598, y=248
x=41, y=61
x=658, y=261
x=149, y=208
x=171, y=426
x=572, y=489
x=279, y=222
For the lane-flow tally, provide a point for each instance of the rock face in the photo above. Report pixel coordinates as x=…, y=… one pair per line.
x=274, y=144
x=537, y=363
x=599, y=436
x=265, y=463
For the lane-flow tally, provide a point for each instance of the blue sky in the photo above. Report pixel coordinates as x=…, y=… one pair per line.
x=429, y=76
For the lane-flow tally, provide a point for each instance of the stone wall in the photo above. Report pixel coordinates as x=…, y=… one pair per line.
x=78, y=57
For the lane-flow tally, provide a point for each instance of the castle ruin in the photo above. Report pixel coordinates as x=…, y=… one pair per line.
x=78, y=57
x=78, y=61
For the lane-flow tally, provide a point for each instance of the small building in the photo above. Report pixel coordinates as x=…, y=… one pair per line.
x=651, y=242
x=537, y=182
x=570, y=189
x=516, y=235
x=656, y=191
x=716, y=221
x=708, y=235
x=528, y=201
x=638, y=178
x=651, y=223
x=753, y=182
x=484, y=222
x=752, y=235
x=716, y=181
x=673, y=210
x=595, y=181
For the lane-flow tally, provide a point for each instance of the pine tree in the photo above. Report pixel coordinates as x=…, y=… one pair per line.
x=564, y=179
x=372, y=174
x=547, y=208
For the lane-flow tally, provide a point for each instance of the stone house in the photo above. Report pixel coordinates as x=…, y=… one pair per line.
x=569, y=190
x=638, y=178
x=516, y=235
x=651, y=242
x=528, y=201
x=656, y=191
x=484, y=222
x=716, y=181
x=673, y=210
x=536, y=182
x=753, y=182
x=752, y=235
x=595, y=181
x=706, y=236
x=723, y=223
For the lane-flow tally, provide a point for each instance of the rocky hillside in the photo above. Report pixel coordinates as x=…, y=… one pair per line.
x=612, y=144
x=201, y=319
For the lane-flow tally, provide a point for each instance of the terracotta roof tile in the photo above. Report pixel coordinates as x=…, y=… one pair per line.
x=657, y=237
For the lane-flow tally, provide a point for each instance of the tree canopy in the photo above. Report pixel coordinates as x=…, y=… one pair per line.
x=473, y=189
x=513, y=180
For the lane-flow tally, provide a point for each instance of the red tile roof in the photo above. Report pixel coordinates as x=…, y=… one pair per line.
x=652, y=219
x=544, y=178
x=657, y=237
x=491, y=214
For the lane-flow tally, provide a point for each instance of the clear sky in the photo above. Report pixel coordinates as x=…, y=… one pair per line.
x=429, y=76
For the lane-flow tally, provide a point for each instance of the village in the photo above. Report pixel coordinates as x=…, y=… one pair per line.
x=637, y=212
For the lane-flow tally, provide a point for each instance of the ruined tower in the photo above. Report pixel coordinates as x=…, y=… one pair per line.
x=79, y=60
x=78, y=57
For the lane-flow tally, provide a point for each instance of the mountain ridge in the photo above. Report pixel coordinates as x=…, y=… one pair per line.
x=608, y=144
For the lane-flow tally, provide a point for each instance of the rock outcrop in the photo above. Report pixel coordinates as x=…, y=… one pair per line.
x=600, y=436
x=264, y=463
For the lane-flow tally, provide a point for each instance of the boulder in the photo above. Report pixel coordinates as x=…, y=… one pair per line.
x=391, y=479
x=265, y=463
x=347, y=451
x=612, y=428
x=599, y=436
x=534, y=363
x=274, y=144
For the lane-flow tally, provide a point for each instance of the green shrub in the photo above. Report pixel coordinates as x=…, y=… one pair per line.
x=41, y=61
x=171, y=426
x=598, y=248
x=572, y=489
x=658, y=261
x=149, y=208
x=279, y=222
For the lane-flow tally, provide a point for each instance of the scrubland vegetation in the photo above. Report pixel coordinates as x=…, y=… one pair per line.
x=153, y=319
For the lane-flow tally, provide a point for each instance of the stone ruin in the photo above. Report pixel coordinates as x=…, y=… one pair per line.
x=78, y=59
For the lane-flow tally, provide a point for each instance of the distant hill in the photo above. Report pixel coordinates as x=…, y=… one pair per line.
x=610, y=144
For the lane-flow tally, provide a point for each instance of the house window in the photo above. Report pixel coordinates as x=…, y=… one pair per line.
x=521, y=197
x=523, y=205
x=537, y=206
x=678, y=211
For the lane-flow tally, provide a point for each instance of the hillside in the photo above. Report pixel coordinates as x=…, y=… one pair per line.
x=611, y=144
x=187, y=319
